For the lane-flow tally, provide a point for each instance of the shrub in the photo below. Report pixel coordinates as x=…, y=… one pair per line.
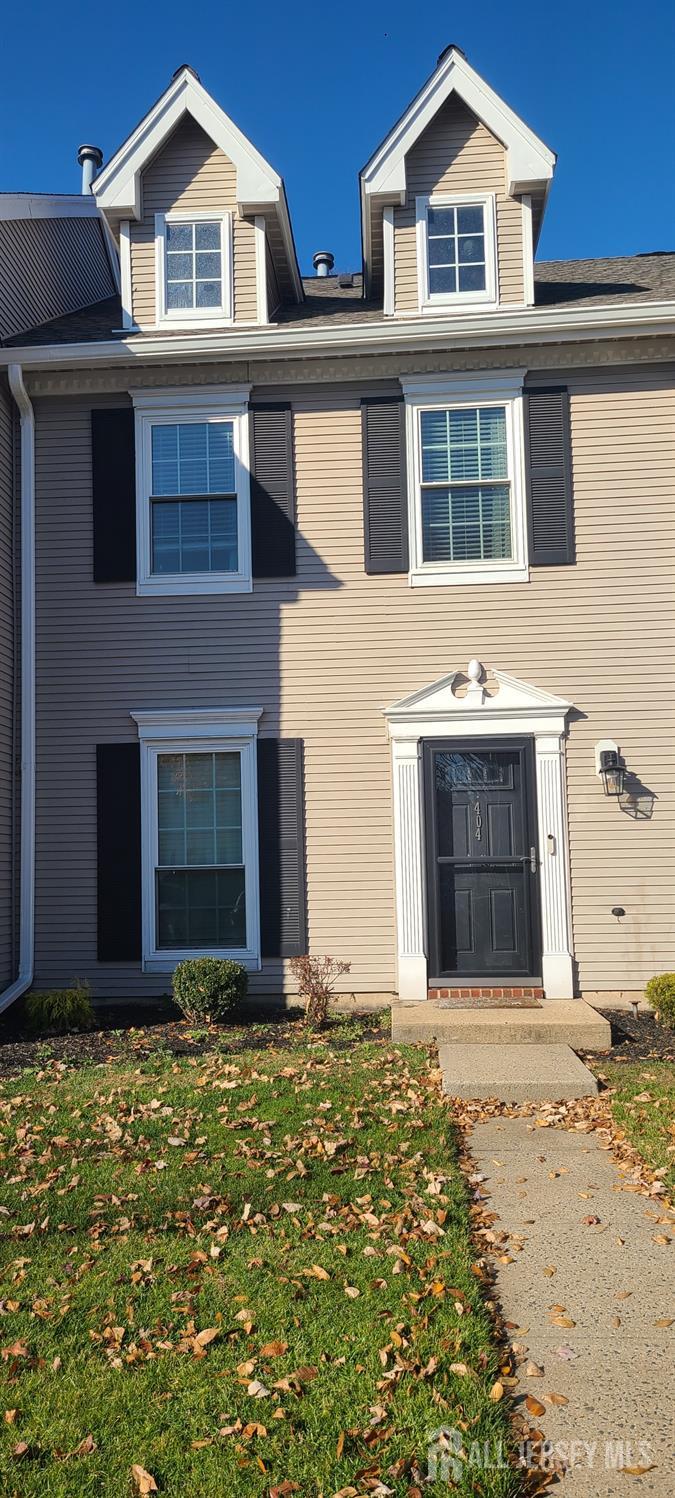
x=61, y=1010
x=206, y=988
x=316, y=978
x=661, y=994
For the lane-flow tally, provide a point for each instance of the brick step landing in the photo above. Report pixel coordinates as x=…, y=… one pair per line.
x=515, y=1073
x=566, y=1022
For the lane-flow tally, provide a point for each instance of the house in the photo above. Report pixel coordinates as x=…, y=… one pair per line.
x=336, y=613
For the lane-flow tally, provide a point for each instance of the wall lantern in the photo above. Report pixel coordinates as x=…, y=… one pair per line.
x=609, y=766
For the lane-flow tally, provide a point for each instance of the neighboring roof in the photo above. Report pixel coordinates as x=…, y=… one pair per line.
x=631, y=279
x=117, y=188
x=49, y=268
x=530, y=163
x=15, y=205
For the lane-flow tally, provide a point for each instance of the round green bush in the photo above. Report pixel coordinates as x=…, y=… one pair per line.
x=207, y=988
x=661, y=994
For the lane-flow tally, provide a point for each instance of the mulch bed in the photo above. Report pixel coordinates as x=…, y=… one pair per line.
x=635, y=1038
x=123, y=1033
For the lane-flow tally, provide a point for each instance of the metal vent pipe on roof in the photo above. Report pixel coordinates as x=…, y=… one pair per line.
x=323, y=262
x=90, y=159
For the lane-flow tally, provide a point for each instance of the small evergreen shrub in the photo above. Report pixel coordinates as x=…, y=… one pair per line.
x=316, y=978
x=661, y=994
x=207, y=988
x=60, y=1010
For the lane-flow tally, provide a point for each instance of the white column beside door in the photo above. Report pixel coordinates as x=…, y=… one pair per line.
x=409, y=857
x=556, y=946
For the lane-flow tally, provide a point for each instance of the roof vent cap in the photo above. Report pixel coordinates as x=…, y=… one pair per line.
x=323, y=262
x=90, y=159
x=451, y=47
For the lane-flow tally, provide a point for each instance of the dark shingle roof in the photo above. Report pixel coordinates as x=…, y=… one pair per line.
x=558, y=283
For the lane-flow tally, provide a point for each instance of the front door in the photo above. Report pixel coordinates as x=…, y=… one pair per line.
x=481, y=861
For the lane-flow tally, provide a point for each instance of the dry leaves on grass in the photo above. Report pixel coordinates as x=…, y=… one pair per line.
x=144, y=1482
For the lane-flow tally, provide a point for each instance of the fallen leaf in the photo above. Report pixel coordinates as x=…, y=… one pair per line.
x=352, y=1291
x=637, y=1471
x=21, y=1449
x=566, y=1353
x=534, y=1371
x=460, y=1369
x=145, y=1482
x=534, y=1406
x=203, y=1338
x=273, y=1349
x=257, y=1390
x=85, y=1447
x=590, y=1222
x=664, y=1321
x=556, y=1399
x=497, y=1392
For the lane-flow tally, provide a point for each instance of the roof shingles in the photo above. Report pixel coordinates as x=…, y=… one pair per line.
x=558, y=283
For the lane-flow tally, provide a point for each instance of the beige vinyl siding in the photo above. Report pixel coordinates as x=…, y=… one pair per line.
x=457, y=153
x=190, y=172
x=325, y=652
x=7, y=684
x=48, y=267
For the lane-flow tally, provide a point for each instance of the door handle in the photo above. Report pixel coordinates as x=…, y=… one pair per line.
x=533, y=860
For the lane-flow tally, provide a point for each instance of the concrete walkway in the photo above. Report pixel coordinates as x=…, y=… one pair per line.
x=610, y=1279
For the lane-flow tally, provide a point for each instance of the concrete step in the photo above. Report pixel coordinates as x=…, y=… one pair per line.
x=566, y=1022
x=515, y=1073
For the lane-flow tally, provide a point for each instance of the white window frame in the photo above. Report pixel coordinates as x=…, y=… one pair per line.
x=453, y=392
x=430, y=301
x=198, y=731
x=186, y=317
x=168, y=407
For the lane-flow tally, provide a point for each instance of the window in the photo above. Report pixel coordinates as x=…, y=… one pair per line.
x=194, y=268
x=200, y=861
x=465, y=490
x=193, y=499
x=456, y=249
x=465, y=470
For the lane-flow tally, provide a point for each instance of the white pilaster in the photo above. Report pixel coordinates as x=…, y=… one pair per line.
x=409, y=856
x=557, y=972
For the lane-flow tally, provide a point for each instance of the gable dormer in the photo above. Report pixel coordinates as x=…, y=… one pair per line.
x=202, y=220
x=452, y=200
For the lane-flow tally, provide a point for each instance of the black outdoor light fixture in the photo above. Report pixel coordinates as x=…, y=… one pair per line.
x=612, y=771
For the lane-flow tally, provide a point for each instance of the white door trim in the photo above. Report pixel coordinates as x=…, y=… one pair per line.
x=471, y=705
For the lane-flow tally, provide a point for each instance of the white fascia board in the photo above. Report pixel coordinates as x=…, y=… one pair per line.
x=513, y=329
x=117, y=186
x=14, y=205
x=529, y=160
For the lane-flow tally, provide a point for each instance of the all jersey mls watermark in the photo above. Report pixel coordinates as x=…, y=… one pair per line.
x=449, y=1453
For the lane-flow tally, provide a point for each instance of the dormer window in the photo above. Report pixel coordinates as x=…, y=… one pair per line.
x=456, y=250
x=194, y=268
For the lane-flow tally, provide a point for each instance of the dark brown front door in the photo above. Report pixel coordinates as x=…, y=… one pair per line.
x=482, y=860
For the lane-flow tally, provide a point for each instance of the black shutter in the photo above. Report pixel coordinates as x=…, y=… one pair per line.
x=272, y=491
x=114, y=492
x=385, y=491
x=551, y=516
x=118, y=779
x=281, y=824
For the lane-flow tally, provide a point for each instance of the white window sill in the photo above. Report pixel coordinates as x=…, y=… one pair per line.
x=193, y=321
x=467, y=576
x=446, y=304
x=166, y=962
x=177, y=586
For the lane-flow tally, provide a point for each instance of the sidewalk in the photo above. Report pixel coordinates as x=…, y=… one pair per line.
x=585, y=1297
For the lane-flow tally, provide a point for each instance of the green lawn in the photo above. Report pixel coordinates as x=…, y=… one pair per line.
x=240, y=1275
x=643, y=1104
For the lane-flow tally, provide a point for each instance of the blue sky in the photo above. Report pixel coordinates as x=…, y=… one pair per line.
x=317, y=86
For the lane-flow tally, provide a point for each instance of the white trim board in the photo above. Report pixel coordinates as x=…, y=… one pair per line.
x=505, y=707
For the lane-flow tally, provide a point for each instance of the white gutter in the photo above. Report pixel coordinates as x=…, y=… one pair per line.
x=27, y=886
x=535, y=325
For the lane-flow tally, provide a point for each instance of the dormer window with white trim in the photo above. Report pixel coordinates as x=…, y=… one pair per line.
x=194, y=268
x=456, y=250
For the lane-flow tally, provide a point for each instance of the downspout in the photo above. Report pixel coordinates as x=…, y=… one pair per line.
x=27, y=886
